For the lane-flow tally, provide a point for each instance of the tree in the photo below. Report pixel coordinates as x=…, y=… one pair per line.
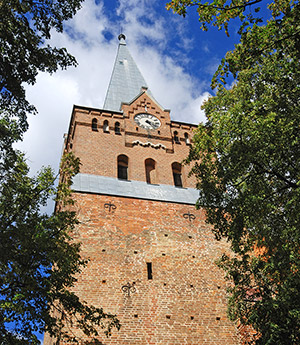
x=38, y=260
x=218, y=13
x=247, y=162
x=25, y=27
x=257, y=38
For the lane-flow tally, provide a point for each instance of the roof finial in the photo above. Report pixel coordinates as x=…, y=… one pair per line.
x=121, y=37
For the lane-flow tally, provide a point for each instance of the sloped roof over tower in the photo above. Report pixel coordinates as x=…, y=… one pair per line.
x=126, y=81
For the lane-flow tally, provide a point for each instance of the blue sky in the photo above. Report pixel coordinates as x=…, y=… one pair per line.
x=176, y=58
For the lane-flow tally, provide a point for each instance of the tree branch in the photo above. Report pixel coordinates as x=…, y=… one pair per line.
x=277, y=174
x=225, y=8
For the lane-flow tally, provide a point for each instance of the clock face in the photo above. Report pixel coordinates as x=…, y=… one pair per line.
x=147, y=121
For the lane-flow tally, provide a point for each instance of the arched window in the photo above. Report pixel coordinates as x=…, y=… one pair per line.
x=105, y=126
x=176, y=138
x=94, y=125
x=150, y=171
x=176, y=169
x=117, y=128
x=123, y=167
x=186, y=138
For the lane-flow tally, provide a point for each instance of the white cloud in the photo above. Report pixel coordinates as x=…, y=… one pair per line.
x=212, y=65
x=86, y=85
x=205, y=47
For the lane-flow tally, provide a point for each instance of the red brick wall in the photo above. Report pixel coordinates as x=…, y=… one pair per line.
x=98, y=151
x=184, y=303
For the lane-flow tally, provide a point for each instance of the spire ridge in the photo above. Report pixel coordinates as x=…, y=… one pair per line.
x=126, y=80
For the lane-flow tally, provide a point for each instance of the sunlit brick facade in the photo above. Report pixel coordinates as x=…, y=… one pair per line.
x=138, y=225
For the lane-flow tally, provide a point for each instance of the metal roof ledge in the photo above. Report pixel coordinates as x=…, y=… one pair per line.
x=95, y=184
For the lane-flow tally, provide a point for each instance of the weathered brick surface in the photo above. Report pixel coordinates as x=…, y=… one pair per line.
x=185, y=302
x=98, y=151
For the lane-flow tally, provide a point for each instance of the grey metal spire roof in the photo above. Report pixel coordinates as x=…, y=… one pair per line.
x=126, y=81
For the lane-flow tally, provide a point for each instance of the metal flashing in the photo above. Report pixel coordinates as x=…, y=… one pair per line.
x=86, y=183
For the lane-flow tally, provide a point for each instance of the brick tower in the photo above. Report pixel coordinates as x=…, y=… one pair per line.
x=151, y=253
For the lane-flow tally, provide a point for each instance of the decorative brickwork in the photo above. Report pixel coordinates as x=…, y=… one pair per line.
x=99, y=150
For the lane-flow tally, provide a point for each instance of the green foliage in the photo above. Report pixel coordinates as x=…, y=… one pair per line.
x=257, y=40
x=38, y=260
x=247, y=162
x=218, y=13
x=24, y=27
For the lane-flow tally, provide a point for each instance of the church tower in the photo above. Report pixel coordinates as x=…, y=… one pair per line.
x=152, y=256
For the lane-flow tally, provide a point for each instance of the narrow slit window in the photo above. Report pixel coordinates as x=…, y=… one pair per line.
x=123, y=167
x=176, y=170
x=117, y=128
x=177, y=179
x=176, y=138
x=186, y=138
x=149, y=270
x=150, y=171
x=94, y=125
x=105, y=126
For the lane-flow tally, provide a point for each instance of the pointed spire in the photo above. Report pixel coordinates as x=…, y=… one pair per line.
x=126, y=80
